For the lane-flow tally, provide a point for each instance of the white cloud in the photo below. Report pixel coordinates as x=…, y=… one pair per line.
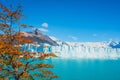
x=43, y=29
x=73, y=37
x=44, y=25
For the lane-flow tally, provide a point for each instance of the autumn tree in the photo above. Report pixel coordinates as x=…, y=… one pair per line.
x=15, y=63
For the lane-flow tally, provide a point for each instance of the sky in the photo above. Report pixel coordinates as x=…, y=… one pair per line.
x=73, y=20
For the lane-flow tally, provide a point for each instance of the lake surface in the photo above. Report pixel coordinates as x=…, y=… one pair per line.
x=86, y=69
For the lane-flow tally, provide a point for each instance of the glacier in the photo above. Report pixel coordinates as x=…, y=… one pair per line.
x=98, y=50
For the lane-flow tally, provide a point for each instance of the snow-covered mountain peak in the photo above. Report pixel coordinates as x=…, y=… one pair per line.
x=59, y=42
x=105, y=44
x=53, y=38
x=114, y=44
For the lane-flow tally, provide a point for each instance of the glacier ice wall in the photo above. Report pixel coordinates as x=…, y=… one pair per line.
x=65, y=51
x=68, y=51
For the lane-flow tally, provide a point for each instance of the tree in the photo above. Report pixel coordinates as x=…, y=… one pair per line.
x=16, y=63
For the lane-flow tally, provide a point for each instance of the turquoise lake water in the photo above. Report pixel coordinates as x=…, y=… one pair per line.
x=71, y=69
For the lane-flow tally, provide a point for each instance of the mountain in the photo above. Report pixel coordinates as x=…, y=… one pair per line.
x=114, y=44
x=38, y=37
x=59, y=42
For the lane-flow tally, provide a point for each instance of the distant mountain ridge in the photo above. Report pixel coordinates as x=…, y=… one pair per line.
x=114, y=44
x=110, y=44
x=38, y=37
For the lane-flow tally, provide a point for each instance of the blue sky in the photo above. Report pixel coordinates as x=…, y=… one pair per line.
x=73, y=20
